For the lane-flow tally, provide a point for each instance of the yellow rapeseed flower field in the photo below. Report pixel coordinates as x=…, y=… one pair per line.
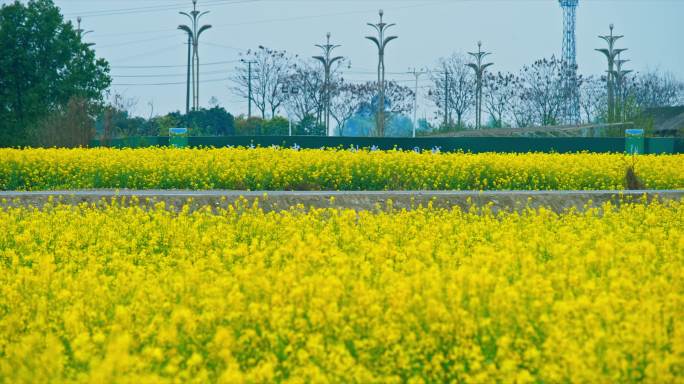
x=132, y=295
x=288, y=169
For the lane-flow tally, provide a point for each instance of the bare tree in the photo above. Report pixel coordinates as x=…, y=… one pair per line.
x=498, y=94
x=118, y=113
x=454, y=87
x=541, y=91
x=363, y=98
x=399, y=99
x=654, y=89
x=270, y=71
x=345, y=103
x=304, y=90
x=593, y=99
x=522, y=112
x=305, y=87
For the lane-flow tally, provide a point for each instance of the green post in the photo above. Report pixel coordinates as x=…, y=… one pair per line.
x=635, y=143
x=178, y=137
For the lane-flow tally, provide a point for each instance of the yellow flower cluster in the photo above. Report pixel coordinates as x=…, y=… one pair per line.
x=289, y=169
x=126, y=294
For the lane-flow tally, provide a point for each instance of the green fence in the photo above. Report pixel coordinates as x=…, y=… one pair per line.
x=466, y=144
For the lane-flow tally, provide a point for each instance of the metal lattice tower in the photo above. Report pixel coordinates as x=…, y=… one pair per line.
x=572, y=109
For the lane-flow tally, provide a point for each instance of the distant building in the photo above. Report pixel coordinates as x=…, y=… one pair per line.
x=663, y=121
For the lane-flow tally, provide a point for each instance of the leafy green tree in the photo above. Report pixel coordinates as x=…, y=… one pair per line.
x=249, y=126
x=215, y=121
x=277, y=126
x=309, y=126
x=44, y=65
x=163, y=123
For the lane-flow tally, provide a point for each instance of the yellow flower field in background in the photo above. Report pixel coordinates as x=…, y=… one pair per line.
x=121, y=294
x=288, y=169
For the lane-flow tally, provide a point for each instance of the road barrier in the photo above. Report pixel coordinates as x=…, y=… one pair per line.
x=443, y=144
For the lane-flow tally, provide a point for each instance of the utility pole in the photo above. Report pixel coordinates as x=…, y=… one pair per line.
x=327, y=62
x=479, y=67
x=381, y=42
x=611, y=53
x=417, y=75
x=194, y=32
x=249, y=86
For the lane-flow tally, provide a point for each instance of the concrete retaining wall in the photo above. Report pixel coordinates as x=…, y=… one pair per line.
x=558, y=201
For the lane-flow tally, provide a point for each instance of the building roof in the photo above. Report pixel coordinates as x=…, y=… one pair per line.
x=666, y=121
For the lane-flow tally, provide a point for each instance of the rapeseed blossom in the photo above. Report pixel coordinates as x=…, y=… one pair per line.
x=125, y=294
x=294, y=169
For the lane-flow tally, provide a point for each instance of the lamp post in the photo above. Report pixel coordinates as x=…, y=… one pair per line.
x=289, y=92
x=479, y=68
x=80, y=31
x=620, y=75
x=194, y=31
x=327, y=62
x=417, y=74
x=187, y=88
x=611, y=53
x=381, y=42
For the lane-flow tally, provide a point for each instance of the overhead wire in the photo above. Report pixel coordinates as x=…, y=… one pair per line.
x=172, y=66
x=153, y=8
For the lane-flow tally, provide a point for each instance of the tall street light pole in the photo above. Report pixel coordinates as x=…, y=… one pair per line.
x=417, y=74
x=80, y=31
x=620, y=75
x=187, y=88
x=194, y=31
x=381, y=42
x=479, y=67
x=327, y=62
x=611, y=54
x=249, y=86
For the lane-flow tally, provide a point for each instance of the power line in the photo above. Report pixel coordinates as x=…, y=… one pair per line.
x=137, y=41
x=263, y=21
x=167, y=83
x=154, y=8
x=294, y=18
x=165, y=75
x=223, y=46
x=172, y=66
x=148, y=53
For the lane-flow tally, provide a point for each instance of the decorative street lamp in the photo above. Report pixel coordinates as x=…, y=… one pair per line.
x=80, y=31
x=479, y=68
x=327, y=62
x=611, y=53
x=381, y=42
x=194, y=32
x=620, y=75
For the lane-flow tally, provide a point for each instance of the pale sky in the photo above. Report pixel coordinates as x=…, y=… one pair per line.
x=148, y=55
